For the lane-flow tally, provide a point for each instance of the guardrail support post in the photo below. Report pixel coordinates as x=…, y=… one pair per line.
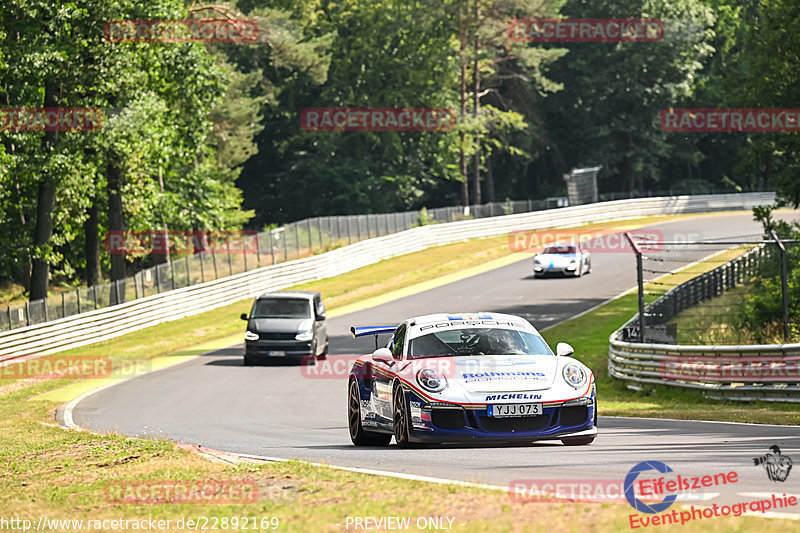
x=639, y=282
x=784, y=286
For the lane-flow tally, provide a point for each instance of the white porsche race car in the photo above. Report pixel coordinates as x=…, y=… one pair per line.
x=562, y=258
x=469, y=377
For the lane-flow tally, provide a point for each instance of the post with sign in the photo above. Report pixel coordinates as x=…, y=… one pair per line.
x=639, y=282
x=784, y=285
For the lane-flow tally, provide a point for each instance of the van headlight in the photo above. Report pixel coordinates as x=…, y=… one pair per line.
x=304, y=335
x=430, y=380
x=250, y=336
x=574, y=375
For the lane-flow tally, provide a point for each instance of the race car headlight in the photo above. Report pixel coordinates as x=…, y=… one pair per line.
x=574, y=375
x=304, y=335
x=536, y=261
x=430, y=380
x=250, y=336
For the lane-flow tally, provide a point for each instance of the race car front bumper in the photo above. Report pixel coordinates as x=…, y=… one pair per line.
x=459, y=424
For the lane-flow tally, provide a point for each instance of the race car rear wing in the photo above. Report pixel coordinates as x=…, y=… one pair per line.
x=357, y=332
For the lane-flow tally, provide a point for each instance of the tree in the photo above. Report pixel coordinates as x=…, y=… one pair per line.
x=608, y=112
x=772, y=79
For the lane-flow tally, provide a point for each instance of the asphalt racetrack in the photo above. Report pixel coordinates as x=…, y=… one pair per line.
x=280, y=411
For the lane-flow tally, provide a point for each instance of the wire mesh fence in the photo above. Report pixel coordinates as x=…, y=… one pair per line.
x=291, y=241
x=698, y=291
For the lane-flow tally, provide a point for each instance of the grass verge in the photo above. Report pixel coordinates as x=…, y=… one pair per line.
x=48, y=472
x=63, y=475
x=589, y=334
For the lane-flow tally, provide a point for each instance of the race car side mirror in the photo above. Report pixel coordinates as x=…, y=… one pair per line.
x=383, y=355
x=564, y=349
x=244, y=316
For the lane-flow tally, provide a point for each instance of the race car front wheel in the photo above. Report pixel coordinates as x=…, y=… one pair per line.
x=357, y=433
x=400, y=417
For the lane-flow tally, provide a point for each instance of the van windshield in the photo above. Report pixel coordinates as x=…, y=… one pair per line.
x=281, y=308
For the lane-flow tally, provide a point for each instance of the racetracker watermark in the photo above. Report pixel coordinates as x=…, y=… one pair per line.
x=72, y=367
x=577, y=490
x=181, y=242
x=377, y=119
x=341, y=367
x=150, y=492
x=50, y=119
x=181, y=31
x=730, y=369
x=710, y=120
x=542, y=30
x=595, y=242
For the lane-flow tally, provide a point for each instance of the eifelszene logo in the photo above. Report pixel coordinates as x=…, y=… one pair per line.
x=630, y=493
x=777, y=466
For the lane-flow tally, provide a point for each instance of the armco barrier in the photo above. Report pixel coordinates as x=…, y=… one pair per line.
x=769, y=372
x=103, y=324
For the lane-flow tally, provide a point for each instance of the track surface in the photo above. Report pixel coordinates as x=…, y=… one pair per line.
x=216, y=402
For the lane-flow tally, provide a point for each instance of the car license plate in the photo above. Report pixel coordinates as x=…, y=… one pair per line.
x=277, y=353
x=508, y=410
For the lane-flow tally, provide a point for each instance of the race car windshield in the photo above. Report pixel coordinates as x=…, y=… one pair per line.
x=281, y=308
x=560, y=250
x=477, y=341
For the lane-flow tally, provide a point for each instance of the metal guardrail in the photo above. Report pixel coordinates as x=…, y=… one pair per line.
x=103, y=324
x=255, y=250
x=735, y=372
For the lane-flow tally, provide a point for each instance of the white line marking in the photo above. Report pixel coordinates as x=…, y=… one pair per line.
x=69, y=422
x=706, y=421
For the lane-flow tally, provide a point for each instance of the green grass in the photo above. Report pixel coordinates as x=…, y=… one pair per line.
x=718, y=321
x=589, y=335
x=45, y=470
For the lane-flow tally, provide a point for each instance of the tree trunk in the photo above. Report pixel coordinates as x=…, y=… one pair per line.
x=626, y=170
x=116, y=223
x=161, y=257
x=92, y=244
x=490, y=194
x=476, y=77
x=462, y=30
x=40, y=268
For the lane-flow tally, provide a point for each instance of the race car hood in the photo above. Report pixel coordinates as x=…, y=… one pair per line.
x=281, y=325
x=511, y=373
x=556, y=260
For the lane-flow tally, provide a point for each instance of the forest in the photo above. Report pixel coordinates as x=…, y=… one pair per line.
x=204, y=130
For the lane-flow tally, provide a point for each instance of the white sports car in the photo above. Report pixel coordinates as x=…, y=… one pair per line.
x=562, y=258
x=469, y=377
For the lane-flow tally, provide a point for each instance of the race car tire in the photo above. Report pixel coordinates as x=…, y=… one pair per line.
x=577, y=441
x=248, y=361
x=358, y=435
x=400, y=417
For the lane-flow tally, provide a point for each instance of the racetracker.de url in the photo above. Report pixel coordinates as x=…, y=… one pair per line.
x=199, y=523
